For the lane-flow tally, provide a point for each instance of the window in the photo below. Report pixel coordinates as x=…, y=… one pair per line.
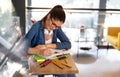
x=96, y=15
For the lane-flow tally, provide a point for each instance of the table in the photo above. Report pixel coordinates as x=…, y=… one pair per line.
x=34, y=68
x=88, y=49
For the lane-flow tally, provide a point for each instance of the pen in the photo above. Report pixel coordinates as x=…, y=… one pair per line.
x=63, y=57
x=45, y=63
x=58, y=51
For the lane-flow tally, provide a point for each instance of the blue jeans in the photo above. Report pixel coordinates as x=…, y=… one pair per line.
x=61, y=75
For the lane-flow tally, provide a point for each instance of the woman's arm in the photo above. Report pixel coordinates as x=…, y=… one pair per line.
x=41, y=50
x=64, y=41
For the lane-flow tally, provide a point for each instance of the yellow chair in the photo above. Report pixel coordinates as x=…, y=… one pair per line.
x=113, y=37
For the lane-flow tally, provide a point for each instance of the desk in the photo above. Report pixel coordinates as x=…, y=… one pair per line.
x=89, y=49
x=34, y=68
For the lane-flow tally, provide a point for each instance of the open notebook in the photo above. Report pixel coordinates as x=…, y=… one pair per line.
x=56, y=52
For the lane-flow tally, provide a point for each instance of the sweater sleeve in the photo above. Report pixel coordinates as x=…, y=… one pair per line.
x=64, y=41
x=29, y=36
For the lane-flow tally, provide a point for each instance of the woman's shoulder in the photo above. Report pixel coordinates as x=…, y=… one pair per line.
x=38, y=24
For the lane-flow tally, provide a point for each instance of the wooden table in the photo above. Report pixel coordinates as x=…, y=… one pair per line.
x=35, y=69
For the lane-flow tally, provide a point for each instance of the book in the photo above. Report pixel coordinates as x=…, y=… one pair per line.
x=56, y=52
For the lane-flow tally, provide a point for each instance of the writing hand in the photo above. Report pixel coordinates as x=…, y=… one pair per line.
x=47, y=52
x=40, y=47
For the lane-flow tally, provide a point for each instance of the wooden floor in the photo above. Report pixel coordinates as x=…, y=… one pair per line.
x=107, y=64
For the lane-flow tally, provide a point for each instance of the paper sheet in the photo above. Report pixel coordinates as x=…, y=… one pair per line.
x=56, y=52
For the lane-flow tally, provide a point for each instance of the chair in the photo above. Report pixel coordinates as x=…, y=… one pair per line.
x=113, y=37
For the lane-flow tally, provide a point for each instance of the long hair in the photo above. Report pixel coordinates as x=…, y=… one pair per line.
x=56, y=13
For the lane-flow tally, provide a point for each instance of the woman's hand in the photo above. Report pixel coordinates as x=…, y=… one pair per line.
x=41, y=47
x=47, y=52
x=44, y=50
x=45, y=46
x=37, y=50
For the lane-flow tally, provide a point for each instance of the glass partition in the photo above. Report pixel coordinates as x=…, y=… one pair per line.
x=9, y=34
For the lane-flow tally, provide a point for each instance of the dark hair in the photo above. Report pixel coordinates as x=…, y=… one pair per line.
x=56, y=13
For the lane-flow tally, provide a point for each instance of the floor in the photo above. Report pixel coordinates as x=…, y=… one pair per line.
x=106, y=64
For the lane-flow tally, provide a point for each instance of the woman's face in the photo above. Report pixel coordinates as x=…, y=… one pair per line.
x=55, y=24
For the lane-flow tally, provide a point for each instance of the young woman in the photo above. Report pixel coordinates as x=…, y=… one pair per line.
x=43, y=35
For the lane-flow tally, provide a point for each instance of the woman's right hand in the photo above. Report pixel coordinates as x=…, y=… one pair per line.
x=37, y=50
x=43, y=50
x=41, y=47
x=47, y=52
